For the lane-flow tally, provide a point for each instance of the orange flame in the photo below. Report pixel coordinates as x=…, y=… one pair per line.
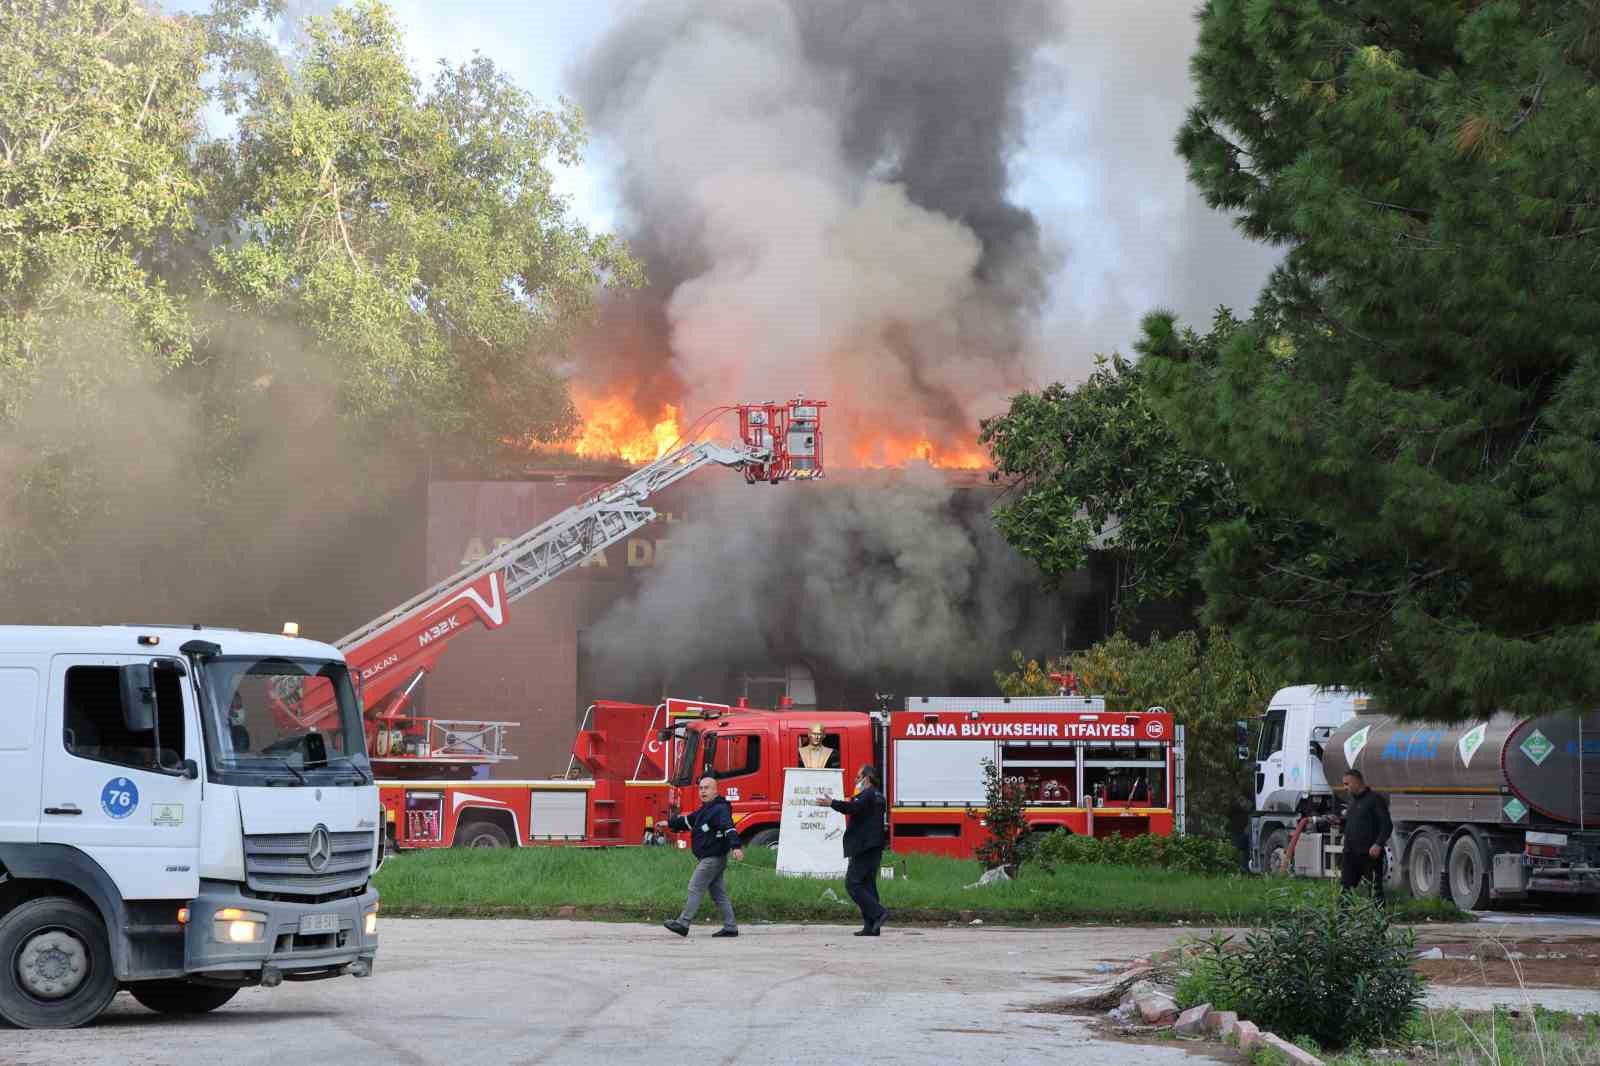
x=890, y=451
x=613, y=428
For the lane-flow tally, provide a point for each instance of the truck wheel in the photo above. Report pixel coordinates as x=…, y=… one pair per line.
x=1272, y=852
x=178, y=996
x=767, y=838
x=1395, y=882
x=1469, y=873
x=1425, y=865
x=482, y=835
x=55, y=965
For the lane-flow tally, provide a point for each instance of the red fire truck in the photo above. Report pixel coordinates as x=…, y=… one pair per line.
x=426, y=765
x=1084, y=769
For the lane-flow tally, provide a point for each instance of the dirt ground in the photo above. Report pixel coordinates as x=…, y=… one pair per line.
x=1541, y=962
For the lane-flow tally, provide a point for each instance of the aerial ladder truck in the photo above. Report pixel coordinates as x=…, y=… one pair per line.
x=425, y=766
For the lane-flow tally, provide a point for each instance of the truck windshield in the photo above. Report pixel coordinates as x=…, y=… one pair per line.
x=687, y=767
x=278, y=718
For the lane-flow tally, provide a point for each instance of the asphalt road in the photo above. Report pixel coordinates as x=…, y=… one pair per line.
x=508, y=993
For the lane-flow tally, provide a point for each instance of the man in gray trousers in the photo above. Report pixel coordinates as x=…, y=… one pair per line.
x=712, y=838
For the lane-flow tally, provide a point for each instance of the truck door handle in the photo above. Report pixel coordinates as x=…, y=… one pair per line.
x=1280, y=780
x=71, y=808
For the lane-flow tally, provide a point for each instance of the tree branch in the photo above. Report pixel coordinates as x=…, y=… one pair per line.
x=1362, y=593
x=1533, y=105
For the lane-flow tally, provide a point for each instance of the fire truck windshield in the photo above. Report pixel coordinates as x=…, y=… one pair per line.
x=256, y=732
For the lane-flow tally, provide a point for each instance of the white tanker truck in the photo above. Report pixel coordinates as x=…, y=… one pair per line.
x=1483, y=811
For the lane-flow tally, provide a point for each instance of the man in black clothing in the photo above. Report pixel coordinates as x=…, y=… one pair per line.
x=712, y=838
x=1366, y=829
x=863, y=846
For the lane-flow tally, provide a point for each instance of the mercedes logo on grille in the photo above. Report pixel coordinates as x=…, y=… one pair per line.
x=319, y=849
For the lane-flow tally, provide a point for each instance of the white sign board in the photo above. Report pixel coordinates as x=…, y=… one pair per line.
x=811, y=838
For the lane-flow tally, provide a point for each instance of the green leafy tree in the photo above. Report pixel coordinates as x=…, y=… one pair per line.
x=99, y=108
x=1418, y=394
x=99, y=104
x=414, y=235
x=1095, y=467
x=1207, y=683
x=256, y=339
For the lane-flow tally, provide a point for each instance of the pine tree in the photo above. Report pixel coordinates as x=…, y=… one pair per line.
x=1417, y=397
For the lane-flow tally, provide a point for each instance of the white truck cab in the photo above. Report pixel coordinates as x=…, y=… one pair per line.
x=1286, y=769
x=169, y=826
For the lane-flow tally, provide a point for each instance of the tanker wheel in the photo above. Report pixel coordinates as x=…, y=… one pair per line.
x=482, y=835
x=1272, y=851
x=1425, y=865
x=1469, y=872
x=177, y=996
x=1395, y=882
x=767, y=838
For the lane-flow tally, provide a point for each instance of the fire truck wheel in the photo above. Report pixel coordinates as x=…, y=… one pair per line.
x=178, y=996
x=1272, y=851
x=482, y=835
x=1425, y=865
x=767, y=838
x=55, y=965
x=1469, y=872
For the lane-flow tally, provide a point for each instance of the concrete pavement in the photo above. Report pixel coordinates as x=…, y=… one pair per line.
x=508, y=993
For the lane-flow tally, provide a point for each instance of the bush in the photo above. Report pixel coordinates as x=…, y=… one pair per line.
x=1186, y=854
x=1005, y=818
x=1333, y=969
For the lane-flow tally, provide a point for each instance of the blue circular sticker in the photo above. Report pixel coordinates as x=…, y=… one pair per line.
x=120, y=797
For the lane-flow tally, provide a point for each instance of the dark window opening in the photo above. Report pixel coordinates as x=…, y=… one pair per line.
x=95, y=727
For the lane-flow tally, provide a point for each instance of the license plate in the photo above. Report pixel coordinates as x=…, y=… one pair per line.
x=319, y=923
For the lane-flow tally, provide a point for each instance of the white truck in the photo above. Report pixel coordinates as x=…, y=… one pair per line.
x=1483, y=811
x=165, y=828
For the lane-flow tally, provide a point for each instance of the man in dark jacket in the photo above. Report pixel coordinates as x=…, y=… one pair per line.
x=1366, y=829
x=863, y=846
x=712, y=838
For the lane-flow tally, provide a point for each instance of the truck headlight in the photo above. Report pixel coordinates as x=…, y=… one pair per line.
x=234, y=926
x=370, y=925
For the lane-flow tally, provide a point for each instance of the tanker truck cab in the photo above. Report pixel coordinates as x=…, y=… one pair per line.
x=1287, y=755
x=168, y=823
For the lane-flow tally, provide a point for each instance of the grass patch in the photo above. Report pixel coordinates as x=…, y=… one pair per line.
x=1480, y=1038
x=640, y=884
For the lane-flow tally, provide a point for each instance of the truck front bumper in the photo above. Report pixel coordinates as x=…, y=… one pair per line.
x=297, y=941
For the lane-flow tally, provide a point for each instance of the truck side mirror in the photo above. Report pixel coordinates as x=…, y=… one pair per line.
x=138, y=698
x=1241, y=740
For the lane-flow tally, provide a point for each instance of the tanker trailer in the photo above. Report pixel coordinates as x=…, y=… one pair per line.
x=1483, y=811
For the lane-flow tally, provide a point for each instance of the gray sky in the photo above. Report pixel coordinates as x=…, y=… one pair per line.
x=1096, y=167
